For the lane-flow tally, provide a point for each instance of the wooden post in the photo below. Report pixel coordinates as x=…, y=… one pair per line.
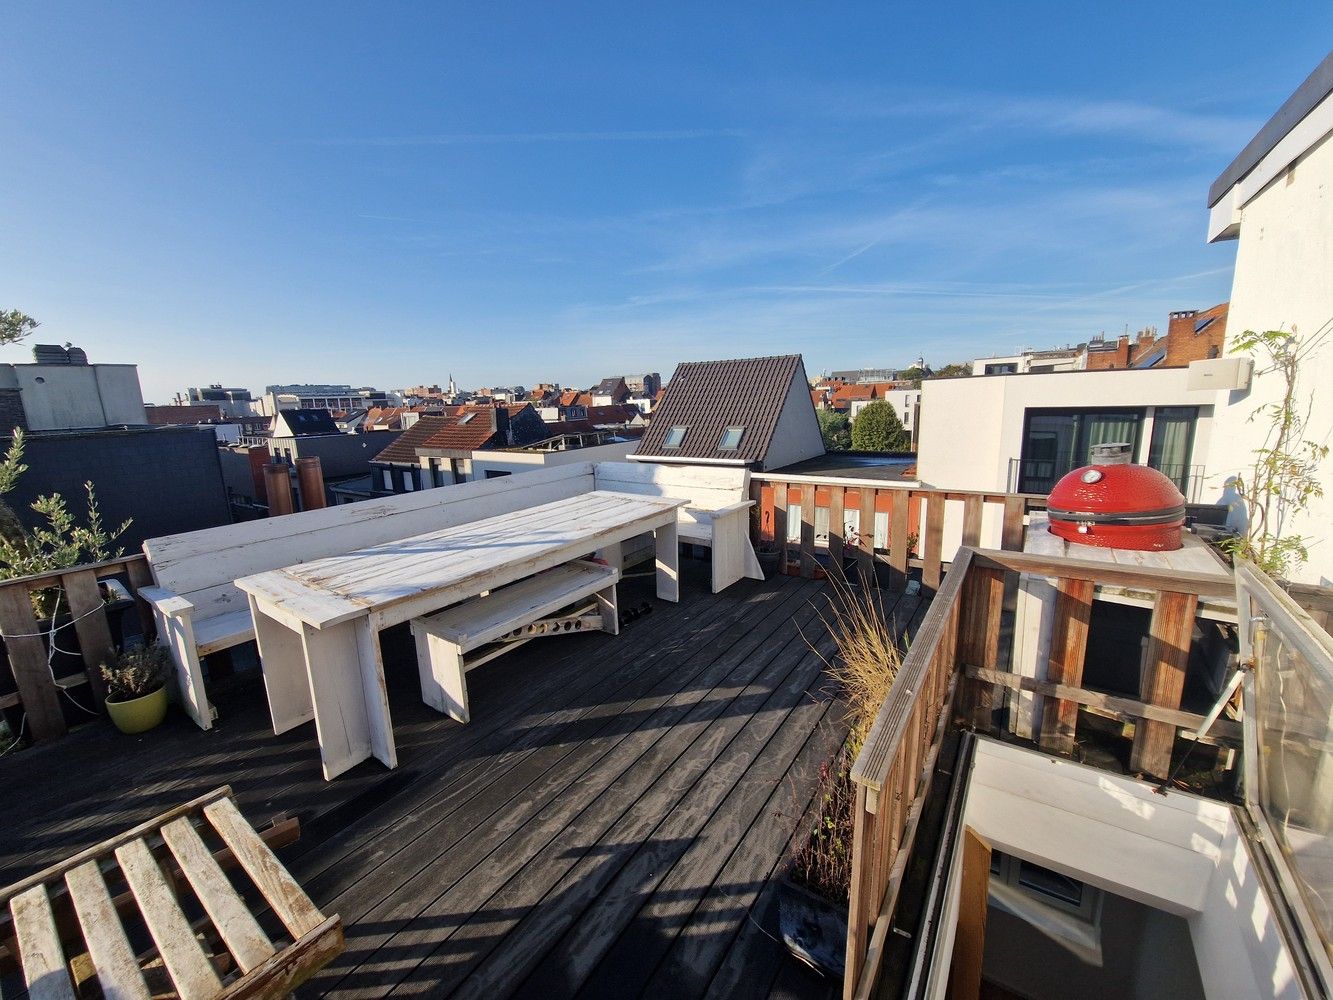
x=141, y=576
x=969, y=943
x=898, y=532
x=1169, y=639
x=859, y=902
x=972, y=510
x=1069, y=644
x=94, y=631
x=1011, y=531
x=780, y=524
x=865, y=558
x=931, y=552
x=837, y=525
x=808, y=530
x=979, y=640
x=27, y=658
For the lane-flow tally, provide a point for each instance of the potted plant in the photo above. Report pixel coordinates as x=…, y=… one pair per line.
x=812, y=899
x=136, y=682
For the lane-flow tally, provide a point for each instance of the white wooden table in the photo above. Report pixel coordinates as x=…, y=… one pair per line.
x=317, y=623
x=1035, y=611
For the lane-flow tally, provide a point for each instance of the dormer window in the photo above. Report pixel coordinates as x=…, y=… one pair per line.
x=675, y=437
x=731, y=439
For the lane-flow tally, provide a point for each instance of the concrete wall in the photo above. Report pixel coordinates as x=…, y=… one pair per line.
x=1284, y=280
x=530, y=461
x=971, y=427
x=168, y=479
x=72, y=397
x=797, y=435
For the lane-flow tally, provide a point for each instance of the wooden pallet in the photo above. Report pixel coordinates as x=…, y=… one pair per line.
x=152, y=912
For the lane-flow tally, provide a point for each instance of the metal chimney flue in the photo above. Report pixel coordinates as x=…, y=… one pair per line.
x=278, y=483
x=310, y=475
x=1112, y=453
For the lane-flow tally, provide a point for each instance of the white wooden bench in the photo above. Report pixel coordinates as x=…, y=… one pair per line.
x=199, y=609
x=503, y=619
x=717, y=514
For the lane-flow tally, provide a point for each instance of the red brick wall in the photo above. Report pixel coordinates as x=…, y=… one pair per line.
x=1183, y=345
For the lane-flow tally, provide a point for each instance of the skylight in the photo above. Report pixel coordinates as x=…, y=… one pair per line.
x=731, y=439
x=465, y=418
x=675, y=437
x=1202, y=324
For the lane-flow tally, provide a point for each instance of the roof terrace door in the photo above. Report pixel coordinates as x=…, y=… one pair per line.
x=1058, y=441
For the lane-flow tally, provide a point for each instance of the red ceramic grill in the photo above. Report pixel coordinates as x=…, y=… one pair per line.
x=1116, y=505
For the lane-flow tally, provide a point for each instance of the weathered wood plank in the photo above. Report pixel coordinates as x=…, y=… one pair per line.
x=979, y=639
x=1011, y=528
x=1170, y=635
x=780, y=529
x=900, y=529
x=191, y=971
x=837, y=527
x=932, y=548
x=118, y=970
x=865, y=529
x=94, y=631
x=44, y=969
x=239, y=930
x=1110, y=574
x=1069, y=643
x=27, y=660
x=281, y=973
x=970, y=940
x=972, y=510
x=287, y=898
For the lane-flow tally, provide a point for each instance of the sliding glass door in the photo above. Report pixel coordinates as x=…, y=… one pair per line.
x=1170, y=450
x=1056, y=441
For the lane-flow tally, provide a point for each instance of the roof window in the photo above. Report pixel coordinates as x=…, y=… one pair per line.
x=731, y=439
x=675, y=437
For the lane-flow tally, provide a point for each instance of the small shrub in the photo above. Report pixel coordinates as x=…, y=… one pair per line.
x=136, y=672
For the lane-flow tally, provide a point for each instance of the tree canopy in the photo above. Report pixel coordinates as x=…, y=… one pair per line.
x=15, y=325
x=835, y=429
x=877, y=428
x=952, y=371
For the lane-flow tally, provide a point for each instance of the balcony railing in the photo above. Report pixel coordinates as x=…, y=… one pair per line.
x=955, y=672
x=28, y=681
x=821, y=524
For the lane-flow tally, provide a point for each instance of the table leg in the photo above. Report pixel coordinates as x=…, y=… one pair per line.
x=282, y=658
x=376, y=692
x=351, y=728
x=668, y=561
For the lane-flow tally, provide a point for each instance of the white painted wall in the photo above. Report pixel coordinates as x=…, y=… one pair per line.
x=796, y=436
x=67, y=397
x=1284, y=280
x=971, y=427
x=1177, y=852
x=530, y=461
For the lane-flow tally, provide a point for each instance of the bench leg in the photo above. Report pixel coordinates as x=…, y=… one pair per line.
x=733, y=555
x=351, y=712
x=177, y=633
x=443, y=676
x=609, y=606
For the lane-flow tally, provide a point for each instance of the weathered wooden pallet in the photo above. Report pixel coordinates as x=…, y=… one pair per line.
x=153, y=910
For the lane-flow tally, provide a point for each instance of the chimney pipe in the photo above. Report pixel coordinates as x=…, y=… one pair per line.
x=278, y=483
x=310, y=475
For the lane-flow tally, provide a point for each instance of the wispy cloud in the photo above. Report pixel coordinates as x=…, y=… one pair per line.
x=519, y=138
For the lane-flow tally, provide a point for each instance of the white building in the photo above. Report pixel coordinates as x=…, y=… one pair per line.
x=1275, y=199
x=1069, y=359
x=62, y=392
x=1021, y=433
x=905, y=402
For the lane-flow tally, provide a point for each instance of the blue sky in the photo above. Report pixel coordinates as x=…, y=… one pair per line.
x=387, y=193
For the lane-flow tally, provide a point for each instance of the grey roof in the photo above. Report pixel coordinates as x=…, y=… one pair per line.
x=707, y=397
x=304, y=423
x=1316, y=87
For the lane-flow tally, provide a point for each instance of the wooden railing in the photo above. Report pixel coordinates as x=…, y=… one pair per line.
x=914, y=527
x=81, y=609
x=954, y=673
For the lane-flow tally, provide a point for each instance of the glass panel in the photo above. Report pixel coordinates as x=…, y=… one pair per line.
x=674, y=437
x=1048, y=451
x=1108, y=428
x=1295, y=723
x=1172, y=442
x=731, y=439
x=1049, y=883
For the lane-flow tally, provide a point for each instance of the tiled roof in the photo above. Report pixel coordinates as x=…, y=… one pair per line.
x=443, y=432
x=707, y=397
x=304, y=423
x=616, y=413
x=197, y=413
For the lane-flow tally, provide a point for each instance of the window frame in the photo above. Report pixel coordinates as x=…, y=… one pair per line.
x=722, y=441
x=679, y=441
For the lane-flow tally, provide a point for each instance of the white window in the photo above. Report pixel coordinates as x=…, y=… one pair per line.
x=387, y=475
x=409, y=481
x=731, y=439
x=675, y=437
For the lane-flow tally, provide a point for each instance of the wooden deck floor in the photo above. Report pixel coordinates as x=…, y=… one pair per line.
x=607, y=825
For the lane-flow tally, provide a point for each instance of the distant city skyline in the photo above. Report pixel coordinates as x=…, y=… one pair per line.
x=256, y=194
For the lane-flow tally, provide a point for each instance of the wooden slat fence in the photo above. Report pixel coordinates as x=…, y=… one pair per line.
x=818, y=523
x=33, y=688
x=954, y=674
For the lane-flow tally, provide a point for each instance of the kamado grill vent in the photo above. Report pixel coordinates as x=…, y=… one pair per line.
x=1116, y=505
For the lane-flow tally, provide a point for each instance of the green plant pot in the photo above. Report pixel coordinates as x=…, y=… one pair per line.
x=138, y=715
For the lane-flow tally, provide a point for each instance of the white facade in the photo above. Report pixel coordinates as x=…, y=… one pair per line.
x=1281, y=212
x=1031, y=361
x=905, y=402
x=73, y=397
x=972, y=428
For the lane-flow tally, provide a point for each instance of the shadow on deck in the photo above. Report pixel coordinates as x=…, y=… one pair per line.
x=607, y=825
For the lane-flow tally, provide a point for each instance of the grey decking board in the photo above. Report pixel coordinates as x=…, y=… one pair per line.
x=593, y=806
x=446, y=872
x=323, y=870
